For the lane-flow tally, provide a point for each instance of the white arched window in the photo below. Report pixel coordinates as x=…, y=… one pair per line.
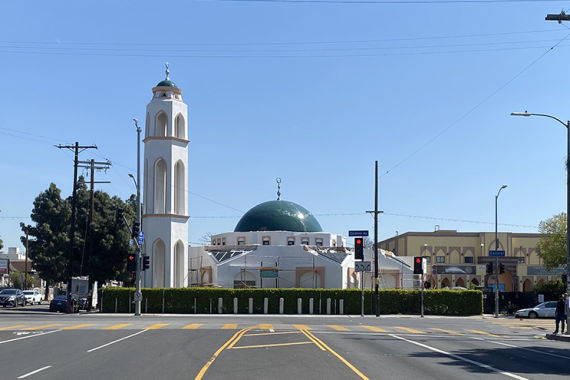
x=158, y=261
x=161, y=124
x=179, y=265
x=179, y=189
x=180, y=127
x=147, y=124
x=159, y=200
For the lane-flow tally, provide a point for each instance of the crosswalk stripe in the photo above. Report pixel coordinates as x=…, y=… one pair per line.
x=413, y=331
x=155, y=326
x=338, y=328
x=77, y=326
x=301, y=327
x=484, y=333
x=375, y=329
x=117, y=327
x=42, y=326
x=265, y=326
x=192, y=326
x=446, y=331
x=11, y=327
x=230, y=326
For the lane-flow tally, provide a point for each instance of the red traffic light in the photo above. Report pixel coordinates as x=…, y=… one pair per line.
x=358, y=241
x=131, y=257
x=418, y=260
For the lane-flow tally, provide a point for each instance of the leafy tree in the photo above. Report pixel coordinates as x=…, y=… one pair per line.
x=99, y=251
x=1, y=244
x=552, y=247
x=551, y=289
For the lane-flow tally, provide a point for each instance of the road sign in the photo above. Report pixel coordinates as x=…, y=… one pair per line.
x=269, y=272
x=358, y=233
x=141, y=237
x=131, y=242
x=362, y=266
x=496, y=253
x=138, y=296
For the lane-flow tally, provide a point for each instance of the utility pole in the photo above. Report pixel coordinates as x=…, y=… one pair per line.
x=376, y=212
x=26, y=264
x=138, y=294
x=75, y=148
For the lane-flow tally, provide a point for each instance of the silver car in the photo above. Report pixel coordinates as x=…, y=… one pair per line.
x=542, y=310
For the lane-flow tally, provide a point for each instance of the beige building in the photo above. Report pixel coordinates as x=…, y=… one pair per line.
x=460, y=258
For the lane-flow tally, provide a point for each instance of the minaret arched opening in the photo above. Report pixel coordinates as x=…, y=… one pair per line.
x=161, y=126
x=180, y=127
x=179, y=188
x=178, y=264
x=159, y=200
x=158, y=263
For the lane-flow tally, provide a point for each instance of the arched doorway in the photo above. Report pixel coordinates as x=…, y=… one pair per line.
x=527, y=285
x=460, y=282
x=475, y=282
x=445, y=283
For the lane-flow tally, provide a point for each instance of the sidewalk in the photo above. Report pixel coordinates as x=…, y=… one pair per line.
x=563, y=338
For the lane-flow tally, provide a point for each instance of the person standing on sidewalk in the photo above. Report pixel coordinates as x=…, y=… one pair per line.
x=560, y=313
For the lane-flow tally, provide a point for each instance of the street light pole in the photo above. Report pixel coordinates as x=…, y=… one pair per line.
x=567, y=125
x=138, y=295
x=497, y=257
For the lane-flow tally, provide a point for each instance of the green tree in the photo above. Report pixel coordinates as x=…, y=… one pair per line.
x=1, y=244
x=552, y=247
x=99, y=251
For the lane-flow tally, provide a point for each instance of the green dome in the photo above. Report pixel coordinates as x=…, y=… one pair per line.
x=278, y=216
x=166, y=83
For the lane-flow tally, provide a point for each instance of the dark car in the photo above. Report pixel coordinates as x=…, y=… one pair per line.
x=58, y=303
x=12, y=297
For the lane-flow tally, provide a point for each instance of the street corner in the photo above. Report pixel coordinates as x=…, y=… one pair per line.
x=560, y=337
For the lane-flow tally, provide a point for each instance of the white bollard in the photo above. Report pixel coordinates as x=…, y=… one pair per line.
x=310, y=306
x=251, y=306
x=220, y=305
x=265, y=305
x=341, y=307
x=281, y=305
x=299, y=306
x=235, y=305
x=328, y=305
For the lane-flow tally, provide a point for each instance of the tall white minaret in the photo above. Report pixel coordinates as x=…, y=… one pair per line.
x=165, y=214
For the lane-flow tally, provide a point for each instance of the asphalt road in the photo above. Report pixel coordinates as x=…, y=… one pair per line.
x=41, y=345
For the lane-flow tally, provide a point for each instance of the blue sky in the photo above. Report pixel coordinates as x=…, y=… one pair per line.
x=312, y=93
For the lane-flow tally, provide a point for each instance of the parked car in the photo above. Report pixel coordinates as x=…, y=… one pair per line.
x=33, y=297
x=12, y=297
x=542, y=310
x=58, y=303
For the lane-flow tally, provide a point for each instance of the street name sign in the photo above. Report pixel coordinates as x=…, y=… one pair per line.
x=496, y=253
x=358, y=233
x=362, y=266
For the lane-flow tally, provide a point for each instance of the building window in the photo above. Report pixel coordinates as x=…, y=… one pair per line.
x=319, y=242
x=266, y=240
x=304, y=241
x=468, y=259
x=520, y=260
x=290, y=241
x=223, y=241
x=428, y=259
x=440, y=259
x=241, y=241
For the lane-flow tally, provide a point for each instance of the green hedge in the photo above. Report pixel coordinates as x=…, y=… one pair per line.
x=205, y=301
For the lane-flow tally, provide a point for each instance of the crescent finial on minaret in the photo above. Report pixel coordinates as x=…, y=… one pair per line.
x=167, y=71
x=278, y=188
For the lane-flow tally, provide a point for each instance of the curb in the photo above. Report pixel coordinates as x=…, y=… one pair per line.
x=563, y=338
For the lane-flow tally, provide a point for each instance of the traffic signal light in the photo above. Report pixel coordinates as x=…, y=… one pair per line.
x=132, y=262
x=565, y=279
x=358, y=248
x=135, y=230
x=118, y=216
x=501, y=268
x=146, y=262
x=489, y=268
x=418, y=267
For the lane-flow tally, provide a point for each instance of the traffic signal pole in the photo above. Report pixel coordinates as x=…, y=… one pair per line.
x=138, y=294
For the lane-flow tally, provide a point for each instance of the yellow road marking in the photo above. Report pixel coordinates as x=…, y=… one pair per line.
x=274, y=333
x=192, y=326
x=116, y=327
x=237, y=336
x=338, y=328
x=77, y=326
x=272, y=345
x=484, y=333
x=520, y=327
x=11, y=327
x=42, y=326
x=229, y=326
x=413, y=331
x=446, y=331
x=353, y=368
x=306, y=333
x=265, y=326
x=156, y=326
x=375, y=329
x=302, y=327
